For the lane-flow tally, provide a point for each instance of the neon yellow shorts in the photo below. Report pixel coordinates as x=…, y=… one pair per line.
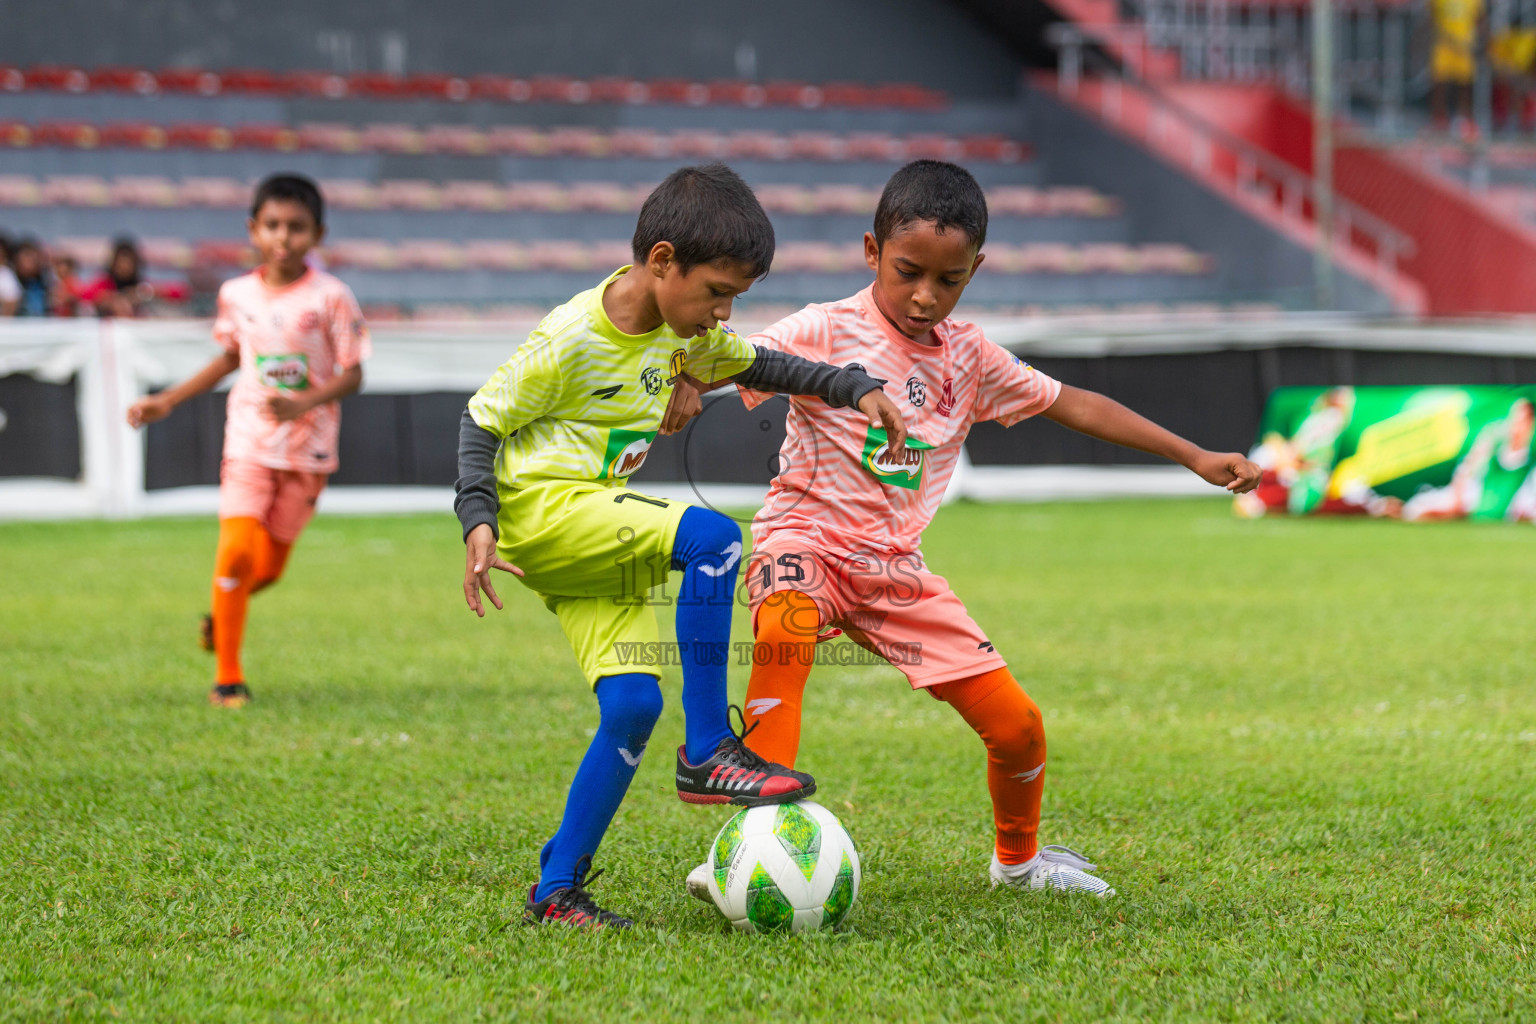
x=593, y=553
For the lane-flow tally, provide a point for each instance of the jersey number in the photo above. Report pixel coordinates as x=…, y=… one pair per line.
x=791, y=570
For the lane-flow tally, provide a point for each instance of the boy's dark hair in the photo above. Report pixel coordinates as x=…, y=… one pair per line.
x=290, y=186
x=932, y=190
x=708, y=213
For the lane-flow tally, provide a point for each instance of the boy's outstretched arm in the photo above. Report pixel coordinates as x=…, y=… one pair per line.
x=156, y=407
x=476, y=503
x=1091, y=413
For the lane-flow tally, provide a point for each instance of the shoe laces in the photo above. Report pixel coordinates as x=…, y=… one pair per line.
x=741, y=754
x=575, y=895
x=1066, y=857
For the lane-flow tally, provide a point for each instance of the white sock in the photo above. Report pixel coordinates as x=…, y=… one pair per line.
x=1015, y=870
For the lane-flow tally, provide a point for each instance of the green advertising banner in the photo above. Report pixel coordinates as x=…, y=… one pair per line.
x=1417, y=453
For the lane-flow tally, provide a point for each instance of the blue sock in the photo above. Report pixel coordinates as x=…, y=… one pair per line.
x=629, y=706
x=708, y=553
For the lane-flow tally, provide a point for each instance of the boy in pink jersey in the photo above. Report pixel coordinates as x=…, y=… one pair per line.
x=837, y=543
x=297, y=338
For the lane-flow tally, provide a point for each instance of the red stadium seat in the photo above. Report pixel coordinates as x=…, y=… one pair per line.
x=736, y=93
x=16, y=135
x=500, y=87
x=57, y=78
x=133, y=135
x=440, y=87
x=12, y=79
x=558, y=89
x=133, y=80
x=913, y=97
x=191, y=135
x=380, y=86
x=792, y=94
x=223, y=253
x=847, y=94
x=265, y=136
x=257, y=81
x=993, y=148
x=618, y=90
x=189, y=80
x=679, y=90
x=67, y=134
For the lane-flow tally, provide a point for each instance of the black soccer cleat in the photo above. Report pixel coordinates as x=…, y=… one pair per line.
x=573, y=905
x=736, y=775
x=229, y=695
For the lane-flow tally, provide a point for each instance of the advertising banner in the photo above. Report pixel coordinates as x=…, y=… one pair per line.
x=1416, y=453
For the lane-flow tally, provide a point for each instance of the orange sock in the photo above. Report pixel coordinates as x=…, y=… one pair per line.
x=1009, y=723
x=785, y=630
x=247, y=560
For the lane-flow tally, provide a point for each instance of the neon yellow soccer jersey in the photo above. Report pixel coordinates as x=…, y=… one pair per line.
x=580, y=401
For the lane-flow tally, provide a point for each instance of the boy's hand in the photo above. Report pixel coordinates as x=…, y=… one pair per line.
x=149, y=409
x=479, y=559
x=286, y=407
x=882, y=412
x=1230, y=470
x=684, y=404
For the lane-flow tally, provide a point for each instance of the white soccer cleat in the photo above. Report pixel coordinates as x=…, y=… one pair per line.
x=698, y=883
x=1054, y=867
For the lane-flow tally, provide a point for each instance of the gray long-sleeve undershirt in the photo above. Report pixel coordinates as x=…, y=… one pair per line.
x=476, y=501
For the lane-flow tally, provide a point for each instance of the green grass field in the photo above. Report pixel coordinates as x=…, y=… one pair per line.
x=1304, y=752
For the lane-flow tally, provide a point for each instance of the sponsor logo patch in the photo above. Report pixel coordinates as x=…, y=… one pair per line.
x=626, y=452
x=903, y=471
x=290, y=372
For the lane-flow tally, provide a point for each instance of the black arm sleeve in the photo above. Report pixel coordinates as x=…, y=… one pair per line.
x=788, y=374
x=474, y=498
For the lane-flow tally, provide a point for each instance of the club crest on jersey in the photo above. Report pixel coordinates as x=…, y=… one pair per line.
x=650, y=379
x=917, y=392
x=677, y=363
x=309, y=320
x=946, y=397
x=289, y=372
x=626, y=452
x=905, y=470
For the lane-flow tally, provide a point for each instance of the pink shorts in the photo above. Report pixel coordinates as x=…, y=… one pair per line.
x=282, y=499
x=890, y=605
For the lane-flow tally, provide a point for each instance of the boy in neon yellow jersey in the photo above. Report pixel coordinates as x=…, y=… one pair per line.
x=545, y=449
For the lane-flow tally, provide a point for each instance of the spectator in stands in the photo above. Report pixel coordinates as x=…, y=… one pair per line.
x=67, y=286
x=31, y=270
x=1512, y=53
x=122, y=290
x=1453, y=60
x=10, y=288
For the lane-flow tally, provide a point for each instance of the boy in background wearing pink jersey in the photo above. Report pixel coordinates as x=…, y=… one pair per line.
x=837, y=543
x=297, y=338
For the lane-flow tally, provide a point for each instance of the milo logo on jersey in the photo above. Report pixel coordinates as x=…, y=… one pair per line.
x=905, y=470
x=289, y=372
x=626, y=452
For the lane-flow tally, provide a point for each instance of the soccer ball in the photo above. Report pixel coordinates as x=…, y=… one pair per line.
x=785, y=867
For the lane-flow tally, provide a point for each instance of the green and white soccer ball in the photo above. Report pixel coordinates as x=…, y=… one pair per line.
x=785, y=867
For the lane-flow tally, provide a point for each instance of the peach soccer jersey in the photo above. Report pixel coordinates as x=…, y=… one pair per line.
x=838, y=488
x=288, y=339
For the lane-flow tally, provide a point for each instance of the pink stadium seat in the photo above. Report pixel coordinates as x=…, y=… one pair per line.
x=455, y=138
x=333, y=138
x=543, y=196
x=874, y=146
x=603, y=197
x=928, y=146
x=559, y=255
x=1109, y=258
x=1015, y=200
x=223, y=253
x=754, y=145
x=12, y=79
x=88, y=252
x=429, y=254
x=365, y=253
x=409, y=194
x=639, y=142
x=804, y=257
x=474, y=195
x=786, y=199
x=496, y=255
x=352, y=194
x=1173, y=259
x=844, y=199
x=816, y=146
x=76, y=190
x=392, y=138
x=167, y=252
x=219, y=193
x=517, y=140
x=610, y=254
x=146, y=191
x=697, y=144
x=19, y=190
x=581, y=141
